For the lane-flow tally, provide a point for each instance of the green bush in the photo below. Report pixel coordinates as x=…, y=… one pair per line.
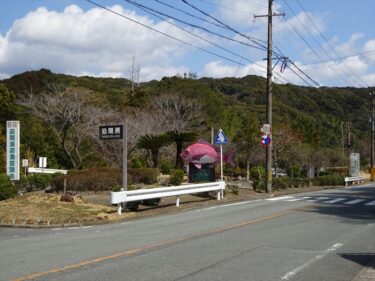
x=38, y=181
x=259, y=186
x=7, y=188
x=258, y=173
x=23, y=184
x=165, y=168
x=177, y=177
x=136, y=163
x=281, y=183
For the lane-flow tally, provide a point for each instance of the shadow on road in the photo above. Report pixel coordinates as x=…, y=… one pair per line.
x=364, y=259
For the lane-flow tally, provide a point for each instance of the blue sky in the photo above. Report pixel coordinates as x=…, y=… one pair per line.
x=328, y=42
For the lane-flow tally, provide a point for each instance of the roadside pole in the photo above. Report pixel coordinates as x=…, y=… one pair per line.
x=221, y=139
x=125, y=160
x=221, y=163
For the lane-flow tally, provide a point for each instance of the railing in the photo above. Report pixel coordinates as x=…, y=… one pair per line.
x=353, y=180
x=143, y=194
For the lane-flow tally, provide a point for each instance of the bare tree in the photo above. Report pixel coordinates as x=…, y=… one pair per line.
x=134, y=71
x=71, y=115
x=284, y=139
x=165, y=113
x=173, y=112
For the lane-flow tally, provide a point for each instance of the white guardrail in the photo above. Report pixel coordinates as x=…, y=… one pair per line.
x=46, y=171
x=353, y=180
x=143, y=194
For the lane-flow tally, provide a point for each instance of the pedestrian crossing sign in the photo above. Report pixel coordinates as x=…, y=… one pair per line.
x=221, y=138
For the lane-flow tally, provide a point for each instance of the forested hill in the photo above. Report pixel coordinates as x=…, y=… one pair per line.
x=319, y=117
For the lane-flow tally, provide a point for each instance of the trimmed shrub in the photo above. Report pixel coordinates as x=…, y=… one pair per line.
x=95, y=179
x=7, y=188
x=143, y=175
x=333, y=180
x=177, y=177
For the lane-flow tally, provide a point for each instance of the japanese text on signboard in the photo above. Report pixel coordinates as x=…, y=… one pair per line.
x=110, y=132
x=13, y=150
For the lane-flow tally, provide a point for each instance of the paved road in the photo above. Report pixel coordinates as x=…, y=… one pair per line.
x=325, y=235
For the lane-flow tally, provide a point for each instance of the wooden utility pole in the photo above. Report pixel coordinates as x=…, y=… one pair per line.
x=269, y=94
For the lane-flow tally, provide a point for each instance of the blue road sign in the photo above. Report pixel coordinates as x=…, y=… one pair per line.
x=265, y=140
x=221, y=138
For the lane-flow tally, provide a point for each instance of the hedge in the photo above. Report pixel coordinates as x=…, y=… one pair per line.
x=100, y=179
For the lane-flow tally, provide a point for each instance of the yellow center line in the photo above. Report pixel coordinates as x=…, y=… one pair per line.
x=152, y=246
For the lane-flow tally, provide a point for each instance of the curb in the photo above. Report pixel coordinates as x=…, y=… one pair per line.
x=367, y=273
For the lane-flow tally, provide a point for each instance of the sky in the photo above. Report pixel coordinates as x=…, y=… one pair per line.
x=316, y=43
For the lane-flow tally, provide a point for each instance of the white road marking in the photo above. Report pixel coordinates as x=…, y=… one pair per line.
x=355, y=201
x=334, y=200
x=280, y=198
x=228, y=205
x=322, y=198
x=292, y=273
x=372, y=203
x=294, y=199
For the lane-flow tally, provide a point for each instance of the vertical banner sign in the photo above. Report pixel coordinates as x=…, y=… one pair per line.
x=354, y=164
x=13, y=150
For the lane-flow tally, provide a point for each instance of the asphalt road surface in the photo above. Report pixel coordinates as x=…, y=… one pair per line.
x=325, y=235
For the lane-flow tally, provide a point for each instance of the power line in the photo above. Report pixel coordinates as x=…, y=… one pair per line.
x=308, y=44
x=311, y=48
x=148, y=10
x=329, y=44
x=279, y=56
x=189, y=14
x=194, y=25
x=163, y=33
x=362, y=54
x=252, y=39
x=145, y=9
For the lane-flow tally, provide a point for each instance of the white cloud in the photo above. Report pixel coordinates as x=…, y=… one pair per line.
x=218, y=69
x=348, y=47
x=369, y=49
x=94, y=41
x=240, y=12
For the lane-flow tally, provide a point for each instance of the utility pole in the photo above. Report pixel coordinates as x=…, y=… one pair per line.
x=269, y=94
x=372, y=168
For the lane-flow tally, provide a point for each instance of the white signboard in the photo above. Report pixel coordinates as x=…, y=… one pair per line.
x=354, y=165
x=13, y=150
x=42, y=162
